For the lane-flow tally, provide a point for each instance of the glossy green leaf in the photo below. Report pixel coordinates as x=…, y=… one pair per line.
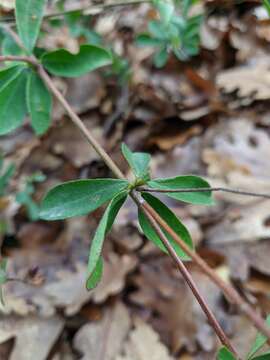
x=161, y=57
x=3, y=277
x=13, y=104
x=94, y=268
x=8, y=74
x=96, y=275
x=157, y=30
x=138, y=161
x=259, y=342
x=185, y=182
x=172, y=220
x=165, y=9
x=225, y=354
x=147, y=40
x=10, y=47
x=79, y=197
x=39, y=103
x=63, y=63
x=29, y=15
x=264, y=356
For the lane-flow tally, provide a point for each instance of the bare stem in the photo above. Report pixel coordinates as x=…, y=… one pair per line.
x=231, y=293
x=190, y=190
x=88, y=9
x=96, y=9
x=187, y=277
x=25, y=59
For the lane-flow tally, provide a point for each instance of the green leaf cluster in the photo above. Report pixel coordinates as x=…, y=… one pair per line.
x=172, y=32
x=22, y=91
x=81, y=197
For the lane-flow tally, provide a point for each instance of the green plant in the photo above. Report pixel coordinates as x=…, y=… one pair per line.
x=81, y=197
x=173, y=32
x=26, y=74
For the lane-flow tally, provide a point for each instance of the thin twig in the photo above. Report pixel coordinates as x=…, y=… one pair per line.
x=86, y=10
x=231, y=294
x=190, y=190
x=78, y=122
x=228, y=290
x=25, y=59
x=187, y=277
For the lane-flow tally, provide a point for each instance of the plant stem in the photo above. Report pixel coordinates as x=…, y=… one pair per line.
x=78, y=122
x=186, y=275
x=94, y=9
x=87, y=10
x=189, y=190
x=25, y=59
x=231, y=293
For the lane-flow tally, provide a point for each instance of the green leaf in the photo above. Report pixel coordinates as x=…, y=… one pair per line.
x=169, y=217
x=13, y=104
x=165, y=9
x=79, y=197
x=264, y=356
x=8, y=74
x=161, y=57
x=225, y=354
x=96, y=275
x=157, y=29
x=266, y=4
x=185, y=182
x=29, y=15
x=146, y=40
x=138, y=161
x=259, y=342
x=10, y=47
x=39, y=102
x=94, y=267
x=63, y=63
x=3, y=277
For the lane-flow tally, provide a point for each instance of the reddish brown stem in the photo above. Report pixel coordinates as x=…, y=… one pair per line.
x=231, y=294
x=188, y=278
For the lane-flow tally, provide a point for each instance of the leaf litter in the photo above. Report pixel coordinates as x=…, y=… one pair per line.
x=208, y=117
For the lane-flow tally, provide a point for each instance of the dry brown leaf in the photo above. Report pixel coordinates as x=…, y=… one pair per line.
x=143, y=344
x=248, y=223
x=238, y=152
x=64, y=285
x=250, y=81
x=104, y=339
x=34, y=336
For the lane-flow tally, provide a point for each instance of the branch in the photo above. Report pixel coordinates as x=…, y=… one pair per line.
x=96, y=9
x=25, y=59
x=188, y=190
x=186, y=275
x=87, y=10
x=228, y=290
